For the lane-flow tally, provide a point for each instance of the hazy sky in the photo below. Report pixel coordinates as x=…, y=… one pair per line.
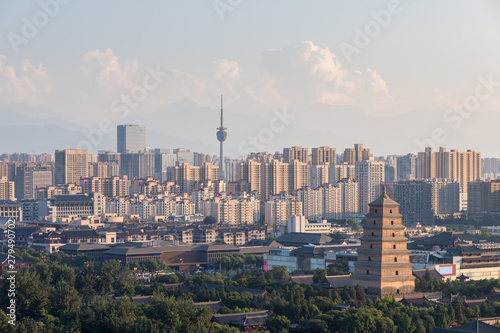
x=74, y=60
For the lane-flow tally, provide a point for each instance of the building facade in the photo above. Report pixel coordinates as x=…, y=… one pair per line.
x=383, y=265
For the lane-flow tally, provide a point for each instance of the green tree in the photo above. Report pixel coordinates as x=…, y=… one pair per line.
x=353, y=224
x=210, y=220
x=318, y=275
x=4, y=323
x=340, y=267
x=32, y=295
x=279, y=323
x=278, y=273
x=64, y=297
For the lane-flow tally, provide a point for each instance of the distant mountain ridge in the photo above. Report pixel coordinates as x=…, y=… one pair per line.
x=189, y=125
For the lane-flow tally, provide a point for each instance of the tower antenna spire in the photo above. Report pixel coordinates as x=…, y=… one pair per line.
x=221, y=136
x=221, y=113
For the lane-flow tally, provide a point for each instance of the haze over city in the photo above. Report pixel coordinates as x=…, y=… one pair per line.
x=388, y=74
x=230, y=166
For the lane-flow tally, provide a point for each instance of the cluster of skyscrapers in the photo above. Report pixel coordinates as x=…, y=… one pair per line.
x=263, y=186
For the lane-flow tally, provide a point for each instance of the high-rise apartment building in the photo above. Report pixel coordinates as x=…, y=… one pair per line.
x=320, y=175
x=349, y=156
x=358, y=154
x=109, y=187
x=414, y=198
x=131, y=138
x=462, y=166
x=422, y=200
x=278, y=211
x=490, y=168
x=324, y=155
x=483, y=198
x=369, y=174
x=187, y=176
x=349, y=191
x=295, y=153
x=277, y=177
x=70, y=166
x=341, y=171
x=7, y=189
x=250, y=171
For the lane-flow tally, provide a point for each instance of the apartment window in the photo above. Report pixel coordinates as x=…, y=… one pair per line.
x=369, y=258
x=393, y=235
x=395, y=259
x=397, y=273
x=375, y=211
x=390, y=211
x=374, y=222
x=394, y=246
x=373, y=234
x=367, y=272
x=392, y=222
x=371, y=246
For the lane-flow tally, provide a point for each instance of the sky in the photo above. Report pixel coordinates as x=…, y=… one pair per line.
x=292, y=73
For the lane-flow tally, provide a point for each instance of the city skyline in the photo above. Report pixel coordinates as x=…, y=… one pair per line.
x=331, y=80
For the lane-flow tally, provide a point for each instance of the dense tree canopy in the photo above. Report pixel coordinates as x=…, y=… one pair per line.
x=59, y=293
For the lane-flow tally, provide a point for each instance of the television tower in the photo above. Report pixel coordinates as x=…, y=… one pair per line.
x=221, y=136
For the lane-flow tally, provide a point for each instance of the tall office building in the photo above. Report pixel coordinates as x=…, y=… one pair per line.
x=29, y=176
x=295, y=153
x=143, y=165
x=108, y=156
x=391, y=168
x=324, y=155
x=406, y=167
x=383, y=265
x=131, y=138
x=163, y=160
x=369, y=175
x=70, y=166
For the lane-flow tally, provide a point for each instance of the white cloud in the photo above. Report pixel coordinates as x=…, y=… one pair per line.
x=308, y=74
x=441, y=99
x=226, y=72
x=103, y=68
x=28, y=84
